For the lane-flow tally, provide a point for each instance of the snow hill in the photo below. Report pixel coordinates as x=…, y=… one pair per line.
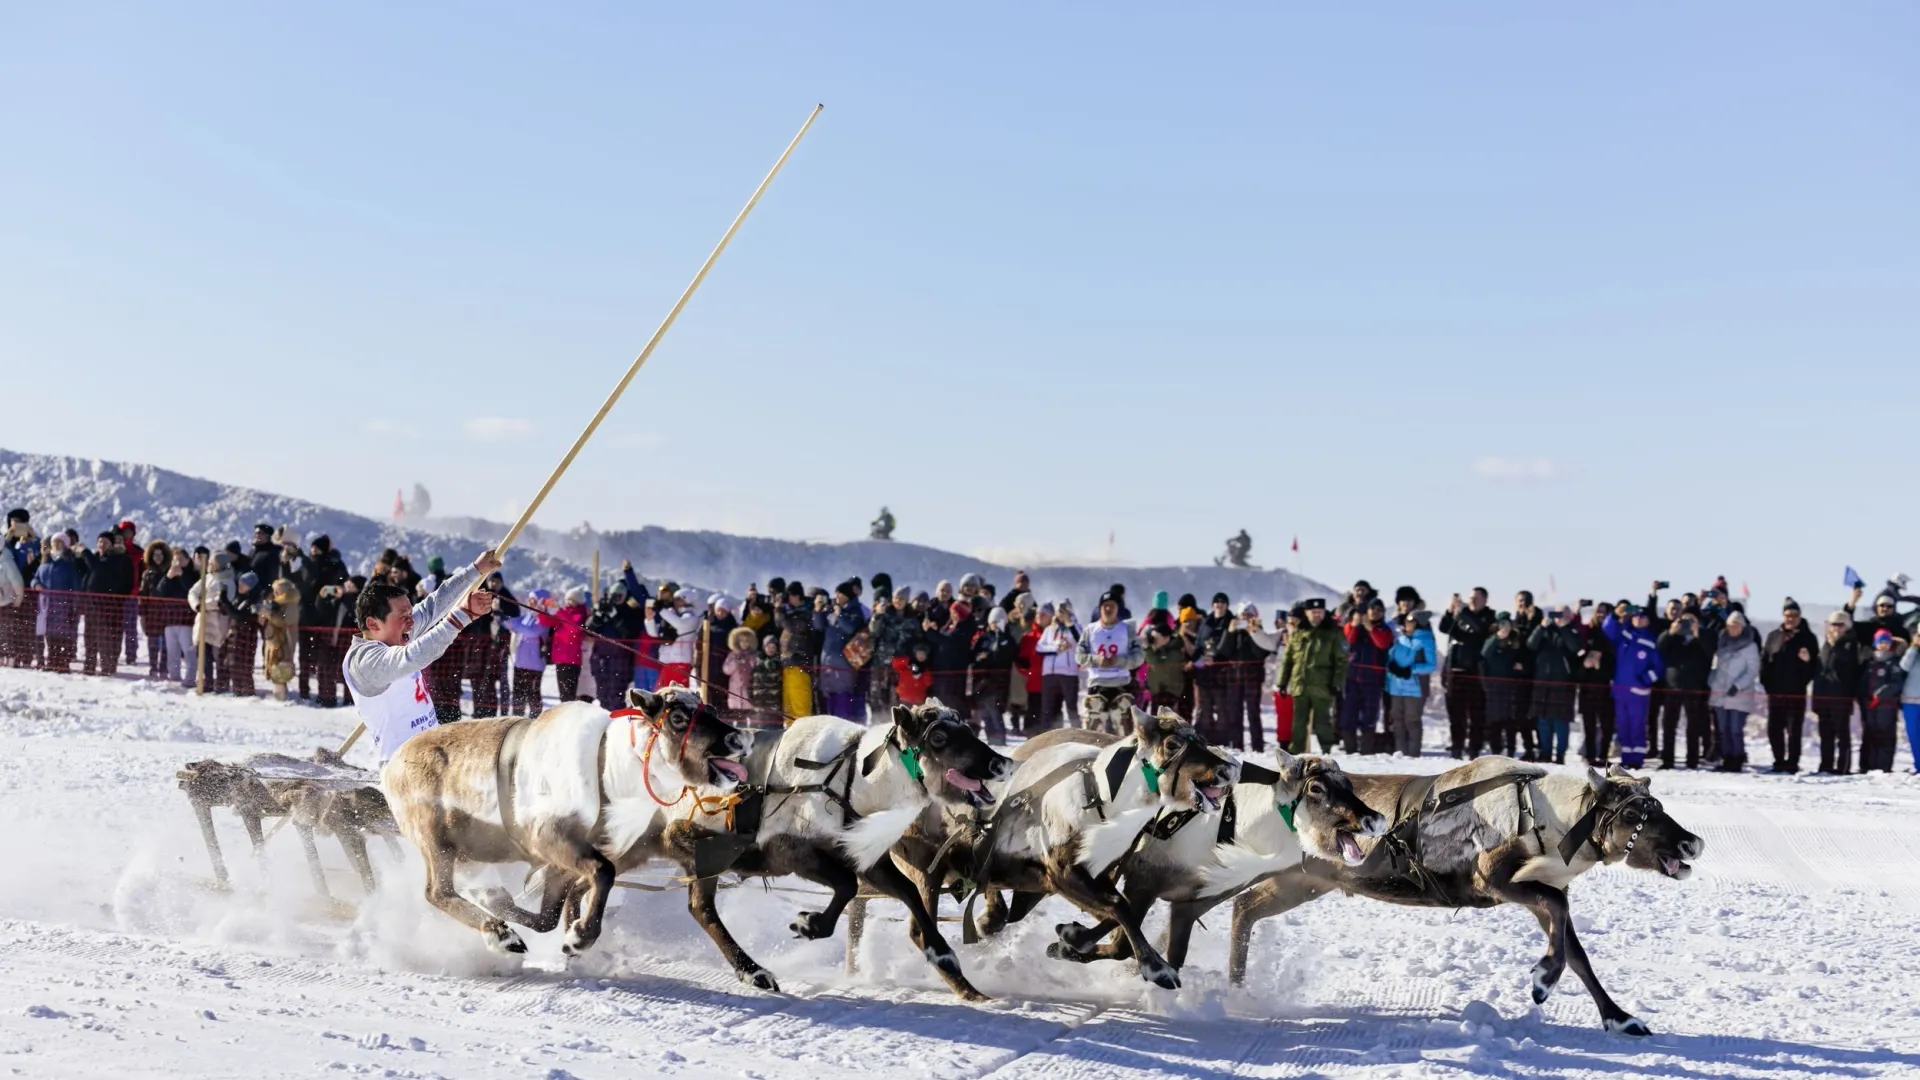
x=90, y=495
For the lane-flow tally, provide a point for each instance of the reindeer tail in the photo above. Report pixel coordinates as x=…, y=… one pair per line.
x=870, y=838
x=1236, y=866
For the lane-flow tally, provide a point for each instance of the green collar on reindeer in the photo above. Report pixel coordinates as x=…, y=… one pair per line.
x=1286, y=812
x=1123, y=757
x=910, y=757
x=1152, y=774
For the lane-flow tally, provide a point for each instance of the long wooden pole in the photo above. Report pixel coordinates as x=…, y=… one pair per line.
x=621, y=387
x=638, y=361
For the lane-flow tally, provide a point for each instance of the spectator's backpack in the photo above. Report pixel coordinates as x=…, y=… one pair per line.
x=858, y=650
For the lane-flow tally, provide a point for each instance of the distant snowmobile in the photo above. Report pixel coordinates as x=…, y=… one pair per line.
x=1238, y=548
x=881, y=528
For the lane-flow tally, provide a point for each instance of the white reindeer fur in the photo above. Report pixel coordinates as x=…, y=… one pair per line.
x=888, y=800
x=1063, y=814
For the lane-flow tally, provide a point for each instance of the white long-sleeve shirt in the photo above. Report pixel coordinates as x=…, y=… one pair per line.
x=686, y=627
x=1056, y=651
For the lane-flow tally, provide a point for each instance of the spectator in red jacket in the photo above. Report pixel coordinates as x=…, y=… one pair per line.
x=568, y=634
x=913, y=673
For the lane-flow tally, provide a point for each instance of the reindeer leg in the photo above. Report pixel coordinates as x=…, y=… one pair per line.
x=559, y=902
x=1282, y=892
x=441, y=894
x=1549, y=906
x=591, y=870
x=354, y=843
x=823, y=869
x=1099, y=899
x=700, y=894
x=1181, y=918
x=313, y=858
x=203, y=813
x=1023, y=904
x=923, y=928
x=1612, y=1017
x=251, y=819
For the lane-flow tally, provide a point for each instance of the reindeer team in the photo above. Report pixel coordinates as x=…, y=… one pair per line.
x=919, y=804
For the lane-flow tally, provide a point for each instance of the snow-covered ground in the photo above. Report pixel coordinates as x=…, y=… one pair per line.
x=1791, y=952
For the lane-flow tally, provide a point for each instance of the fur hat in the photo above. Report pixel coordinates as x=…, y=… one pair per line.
x=1313, y=603
x=1407, y=594
x=742, y=639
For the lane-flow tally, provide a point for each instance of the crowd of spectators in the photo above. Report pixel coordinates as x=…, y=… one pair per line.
x=1671, y=682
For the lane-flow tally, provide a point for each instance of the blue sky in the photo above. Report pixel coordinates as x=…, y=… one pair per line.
x=1458, y=294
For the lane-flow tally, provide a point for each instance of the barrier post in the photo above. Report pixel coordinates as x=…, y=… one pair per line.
x=594, y=593
x=200, y=633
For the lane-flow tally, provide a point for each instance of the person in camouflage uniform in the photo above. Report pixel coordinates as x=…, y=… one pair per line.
x=1313, y=669
x=893, y=628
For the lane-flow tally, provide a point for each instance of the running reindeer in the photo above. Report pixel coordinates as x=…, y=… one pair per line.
x=567, y=792
x=1491, y=832
x=826, y=802
x=321, y=795
x=1268, y=820
x=1074, y=813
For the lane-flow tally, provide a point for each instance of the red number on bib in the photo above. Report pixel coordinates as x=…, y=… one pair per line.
x=419, y=687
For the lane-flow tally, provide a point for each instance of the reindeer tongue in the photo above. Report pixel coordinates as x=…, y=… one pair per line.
x=964, y=783
x=732, y=768
x=1350, y=848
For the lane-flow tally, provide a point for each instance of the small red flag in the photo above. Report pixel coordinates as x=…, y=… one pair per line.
x=1296, y=543
x=399, y=505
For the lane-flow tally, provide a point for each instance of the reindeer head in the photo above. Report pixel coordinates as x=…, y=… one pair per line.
x=1327, y=815
x=1631, y=826
x=691, y=739
x=950, y=759
x=1189, y=774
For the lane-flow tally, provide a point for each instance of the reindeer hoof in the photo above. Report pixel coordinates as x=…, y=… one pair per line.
x=502, y=939
x=1545, y=978
x=1631, y=1026
x=574, y=942
x=1161, y=975
x=1058, y=951
x=811, y=926
x=1074, y=936
x=761, y=979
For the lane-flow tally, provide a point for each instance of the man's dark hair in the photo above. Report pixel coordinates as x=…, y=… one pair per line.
x=376, y=602
x=201, y=549
x=108, y=534
x=18, y=515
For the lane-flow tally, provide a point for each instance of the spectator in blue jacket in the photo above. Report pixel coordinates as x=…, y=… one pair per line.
x=1412, y=656
x=58, y=579
x=1638, y=665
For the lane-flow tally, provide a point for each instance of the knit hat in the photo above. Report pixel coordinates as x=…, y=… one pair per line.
x=1047, y=608
x=1108, y=597
x=436, y=565
x=127, y=527
x=1221, y=598
x=1789, y=605
x=577, y=595
x=250, y=580
x=1376, y=602
x=1160, y=599
x=1187, y=600
x=1882, y=639
x=961, y=610
x=1503, y=619
x=997, y=618
x=221, y=560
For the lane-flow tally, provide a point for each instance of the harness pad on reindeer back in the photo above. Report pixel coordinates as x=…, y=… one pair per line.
x=1398, y=863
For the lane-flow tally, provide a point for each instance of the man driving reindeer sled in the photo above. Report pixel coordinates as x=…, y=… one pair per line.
x=384, y=664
